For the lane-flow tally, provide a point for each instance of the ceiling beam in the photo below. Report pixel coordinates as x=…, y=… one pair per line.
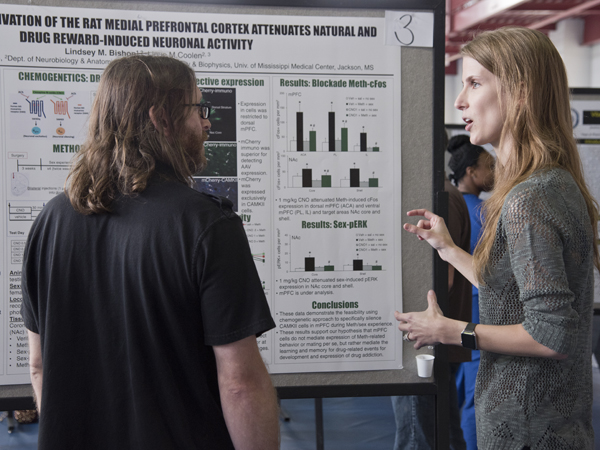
x=556, y=6
x=484, y=10
x=450, y=58
x=451, y=68
x=575, y=11
x=479, y=12
x=591, y=30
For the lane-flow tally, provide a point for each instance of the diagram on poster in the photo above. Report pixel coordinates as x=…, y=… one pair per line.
x=41, y=114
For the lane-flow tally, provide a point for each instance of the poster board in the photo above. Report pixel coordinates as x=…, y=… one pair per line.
x=585, y=114
x=420, y=121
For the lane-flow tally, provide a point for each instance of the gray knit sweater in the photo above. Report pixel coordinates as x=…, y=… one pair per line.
x=541, y=275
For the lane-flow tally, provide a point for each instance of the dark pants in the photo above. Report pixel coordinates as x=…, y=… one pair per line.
x=415, y=420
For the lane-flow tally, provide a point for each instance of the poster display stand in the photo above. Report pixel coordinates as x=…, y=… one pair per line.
x=332, y=128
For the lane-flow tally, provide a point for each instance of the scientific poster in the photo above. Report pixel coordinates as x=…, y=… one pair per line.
x=585, y=115
x=305, y=141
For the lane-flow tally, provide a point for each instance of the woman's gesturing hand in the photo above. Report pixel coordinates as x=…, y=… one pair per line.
x=431, y=229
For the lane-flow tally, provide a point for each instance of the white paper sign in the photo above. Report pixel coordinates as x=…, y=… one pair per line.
x=412, y=29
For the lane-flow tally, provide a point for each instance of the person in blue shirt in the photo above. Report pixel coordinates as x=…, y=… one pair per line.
x=473, y=173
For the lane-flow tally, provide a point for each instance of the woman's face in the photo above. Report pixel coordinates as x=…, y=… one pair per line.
x=480, y=105
x=483, y=173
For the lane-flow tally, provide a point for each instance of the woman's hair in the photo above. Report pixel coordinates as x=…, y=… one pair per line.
x=534, y=97
x=464, y=154
x=123, y=146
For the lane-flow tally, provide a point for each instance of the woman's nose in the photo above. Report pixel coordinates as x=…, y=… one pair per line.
x=460, y=102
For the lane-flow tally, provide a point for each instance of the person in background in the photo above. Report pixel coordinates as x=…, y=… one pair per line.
x=415, y=414
x=473, y=173
x=140, y=294
x=534, y=264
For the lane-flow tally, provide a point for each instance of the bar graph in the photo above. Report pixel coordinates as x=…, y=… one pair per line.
x=354, y=180
x=358, y=265
x=299, y=143
x=332, y=259
x=309, y=266
x=306, y=179
x=352, y=118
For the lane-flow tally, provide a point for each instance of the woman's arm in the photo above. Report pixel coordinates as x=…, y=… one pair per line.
x=430, y=327
x=434, y=231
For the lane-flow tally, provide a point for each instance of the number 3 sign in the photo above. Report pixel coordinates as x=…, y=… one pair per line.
x=414, y=29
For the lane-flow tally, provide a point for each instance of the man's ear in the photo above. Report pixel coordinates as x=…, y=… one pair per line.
x=159, y=120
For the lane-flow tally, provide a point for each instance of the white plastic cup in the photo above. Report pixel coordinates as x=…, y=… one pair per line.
x=425, y=365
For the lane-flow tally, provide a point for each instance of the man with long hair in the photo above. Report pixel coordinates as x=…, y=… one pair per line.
x=140, y=294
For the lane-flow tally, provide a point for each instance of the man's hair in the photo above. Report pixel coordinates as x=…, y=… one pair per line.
x=123, y=146
x=535, y=104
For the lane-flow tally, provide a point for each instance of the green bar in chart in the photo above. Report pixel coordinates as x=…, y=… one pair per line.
x=312, y=135
x=373, y=182
x=376, y=268
x=326, y=181
x=329, y=268
x=375, y=149
x=344, y=139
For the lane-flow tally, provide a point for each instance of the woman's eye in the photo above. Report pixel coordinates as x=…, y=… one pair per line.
x=475, y=84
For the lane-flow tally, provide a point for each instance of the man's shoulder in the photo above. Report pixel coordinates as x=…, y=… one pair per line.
x=224, y=204
x=56, y=205
x=178, y=200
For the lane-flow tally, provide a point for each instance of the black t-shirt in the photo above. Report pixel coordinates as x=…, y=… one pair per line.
x=128, y=305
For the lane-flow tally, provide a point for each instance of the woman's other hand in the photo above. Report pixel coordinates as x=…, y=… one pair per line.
x=425, y=327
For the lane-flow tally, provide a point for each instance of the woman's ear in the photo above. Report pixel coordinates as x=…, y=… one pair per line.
x=159, y=120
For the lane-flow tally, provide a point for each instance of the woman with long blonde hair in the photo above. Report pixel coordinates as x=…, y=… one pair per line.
x=535, y=259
